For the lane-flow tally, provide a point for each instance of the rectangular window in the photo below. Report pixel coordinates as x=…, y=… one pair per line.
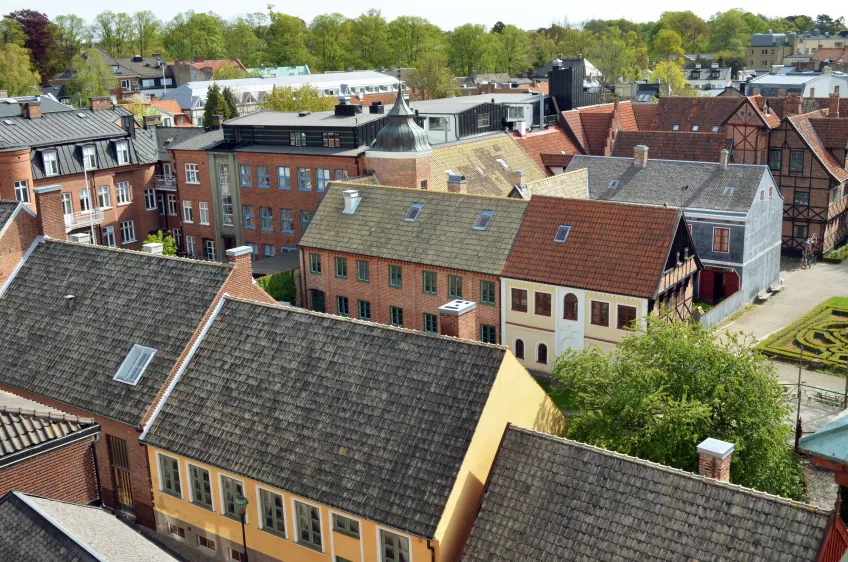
x=172, y=204
x=150, y=199
x=543, y=304
x=800, y=231
x=273, y=513
x=176, y=532
x=67, y=204
x=190, y=248
x=515, y=113
x=201, y=487
x=362, y=273
x=203, y=207
x=315, y=263
x=203, y=542
x=286, y=220
x=395, y=276
x=775, y=159
x=796, y=160
x=341, y=268
x=209, y=249
x=51, y=163
x=230, y=490
x=600, y=313
x=108, y=234
x=626, y=317
x=297, y=139
x=396, y=316
x=237, y=555
x=266, y=222
x=254, y=250
x=393, y=548
x=22, y=191
x=244, y=175
x=122, y=193
x=89, y=157
x=428, y=282
x=263, y=179
x=454, y=287
x=267, y=250
x=187, y=214
x=322, y=178
x=721, y=240
x=283, y=177
x=304, y=180
x=123, y=150
x=342, y=306
x=169, y=472
x=308, y=518
x=802, y=198
x=331, y=139
x=487, y=293
x=339, y=175
x=436, y=123
x=247, y=217
x=835, y=195
x=305, y=219
x=488, y=334
x=160, y=202
x=483, y=120
x=127, y=232
x=364, y=310
x=85, y=201
x=431, y=323
x=104, y=197
x=346, y=526
x=519, y=300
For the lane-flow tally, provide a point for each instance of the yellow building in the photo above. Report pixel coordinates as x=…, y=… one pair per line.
x=351, y=441
x=586, y=273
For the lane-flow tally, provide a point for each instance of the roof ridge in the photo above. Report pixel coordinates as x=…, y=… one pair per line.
x=44, y=414
x=730, y=164
x=387, y=327
x=139, y=252
x=678, y=471
x=440, y=193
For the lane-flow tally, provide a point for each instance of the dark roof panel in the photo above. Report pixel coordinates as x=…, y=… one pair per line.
x=7, y=209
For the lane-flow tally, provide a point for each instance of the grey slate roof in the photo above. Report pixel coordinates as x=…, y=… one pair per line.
x=555, y=500
x=62, y=127
x=442, y=236
x=13, y=108
x=365, y=418
x=200, y=142
x=142, y=148
x=34, y=529
x=7, y=209
x=688, y=185
x=122, y=298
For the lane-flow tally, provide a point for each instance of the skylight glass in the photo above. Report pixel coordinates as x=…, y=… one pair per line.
x=675, y=128
x=695, y=127
x=728, y=191
x=134, y=364
x=413, y=212
x=562, y=233
x=483, y=220
x=614, y=184
x=503, y=163
x=715, y=128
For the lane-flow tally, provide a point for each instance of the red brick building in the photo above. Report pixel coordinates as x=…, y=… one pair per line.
x=18, y=229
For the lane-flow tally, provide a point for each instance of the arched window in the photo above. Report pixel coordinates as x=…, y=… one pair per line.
x=542, y=354
x=570, y=307
x=519, y=348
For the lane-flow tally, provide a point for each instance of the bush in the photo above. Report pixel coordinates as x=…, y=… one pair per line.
x=280, y=286
x=837, y=254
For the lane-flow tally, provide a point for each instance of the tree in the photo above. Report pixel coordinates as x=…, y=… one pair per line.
x=825, y=23
x=71, y=33
x=668, y=46
x=669, y=72
x=243, y=44
x=280, y=286
x=664, y=390
x=693, y=30
x=40, y=41
x=410, y=37
x=139, y=109
x=370, y=39
x=729, y=32
x=329, y=36
x=91, y=77
x=617, y=55
x=169, y=247
x=11, y=32
x=512, y=51
x=105, y=33
x=432, y=79
x=229, y=71
x=470, y=48
x=190, y=34
x=755, y=23
x=498, y=27
x=147, y=27
x=302, y=98
x=124, y=34
x=15, y=74
x=287, y=41
x=215, y=105
x=728, y=59
x=801, y=23
x=230, y=101
x=544, y=48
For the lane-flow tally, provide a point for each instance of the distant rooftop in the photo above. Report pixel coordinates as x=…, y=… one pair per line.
x=303, y=118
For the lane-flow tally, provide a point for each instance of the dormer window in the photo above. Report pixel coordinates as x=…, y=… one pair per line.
x=51, y=163
x=413, y=212
x=562, y=233
x=134, y=364
x=115, y=69
x=89, y=157
x=123, y=150
x=483, y=220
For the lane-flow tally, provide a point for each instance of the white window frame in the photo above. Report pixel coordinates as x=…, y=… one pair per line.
x=295, y=533
x=221, y=476
x=379, y=528
x=50, y=160
x=484, y=120
x=122, y=148
x=191, y=174
x=125, y=84
x=261, y=516
x=110, y=237
x=150, y=199
x=187, y=213
x=132, y=225
x=130, y=361
x=179, y=474
x=190, y=494
x=148, y=83
x=67, y=203
x=22, y=191
x=515, y=112
x=206, y=248
x=203, y=210
x=190, y=249
x=104, y=197
x=85, y=196
x=123, y=193
x=322, y=182
x=167, y=171
x=265, y=254
x=89, y=157
x=332, y=512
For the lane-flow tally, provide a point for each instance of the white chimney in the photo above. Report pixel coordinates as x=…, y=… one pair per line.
x=640, y=156
x=152, y=248
x=351, y=200
x=80, y=238
x=723, y=158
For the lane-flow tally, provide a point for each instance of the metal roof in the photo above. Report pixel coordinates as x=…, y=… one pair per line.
x=200, y=142
x=310, y=119
x=61, y=127
x=10, y=107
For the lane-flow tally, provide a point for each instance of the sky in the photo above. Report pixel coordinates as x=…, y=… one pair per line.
x=447, y=14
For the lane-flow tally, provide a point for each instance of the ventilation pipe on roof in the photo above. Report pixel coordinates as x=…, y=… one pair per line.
x=69, y=302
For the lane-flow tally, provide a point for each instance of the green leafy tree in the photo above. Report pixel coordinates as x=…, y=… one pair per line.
x=105, y=33
x=544, y=48
x=302, y=98
x=692, y=29
x=825, y=23
x=191, y=34
x=91, y=77
x=728, y=59
x=432, y=79
x=801, y=23
x=124, y=34
x=71, y=33
x=287, y=38
x=755, y=23
x=215, y=105
x=229, y=71
x=280, y=286
x=669, y=72
x=668, y=46
x=11, y=32
x=139, y=109
x=16, y=76
x=146, y=32
x=729, y=32
x=329, y=39
x=230, y=100
x=411, y=37
x=169, y=246
x=617, y=55
x=663, y=391
x=370, y=39
x=470, y=48
x=40, y=40
x=512, y=50
x=243, y=44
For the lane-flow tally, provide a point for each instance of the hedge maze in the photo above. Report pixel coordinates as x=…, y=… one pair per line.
x=822, y=335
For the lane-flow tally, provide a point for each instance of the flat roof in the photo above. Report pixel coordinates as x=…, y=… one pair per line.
x=293, y=118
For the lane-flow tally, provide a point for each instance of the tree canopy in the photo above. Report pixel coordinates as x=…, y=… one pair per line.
x=91, y=77
x=302, y=98
x=15, y=74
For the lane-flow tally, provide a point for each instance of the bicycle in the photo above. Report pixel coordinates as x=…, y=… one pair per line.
x=808, y=255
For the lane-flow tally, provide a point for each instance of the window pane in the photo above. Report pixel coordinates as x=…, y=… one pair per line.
x=519, y=300
x=454, y=287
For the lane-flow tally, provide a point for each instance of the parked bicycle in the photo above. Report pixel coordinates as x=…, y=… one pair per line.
x=808, y=254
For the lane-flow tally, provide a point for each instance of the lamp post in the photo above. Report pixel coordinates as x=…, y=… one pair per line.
x=241, y=506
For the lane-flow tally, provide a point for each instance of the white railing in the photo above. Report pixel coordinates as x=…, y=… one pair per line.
x=82, y=220
x=166, y=182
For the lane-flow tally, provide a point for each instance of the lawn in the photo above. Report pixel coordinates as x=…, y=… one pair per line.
x=821, y=334
x=562, y=397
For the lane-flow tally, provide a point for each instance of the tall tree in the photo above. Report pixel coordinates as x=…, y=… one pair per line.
x=470, y=48
x=105, y=32
x=370, y=39
x=191, y=34
x=243, y=44
x=729, y=32
x=11, y=32
x=230, y=100
x=825, y=23
x=302, y=98
x=669, y=72
x=801, y=23
x=40, y=40
x=755, y=23
x=228, y=71
x=693, y=30
x=412, y=36
x=15, y=74
x=215, y=105
x=617, y=55
x=663, y=391
x=71, y=33
x=431, y=78
x=91, y=77
x=512, y=52
x=544, y=48
x=287, y=37
x=329, y=40
x=124, y=34
x=668, y=46
x=147, y=27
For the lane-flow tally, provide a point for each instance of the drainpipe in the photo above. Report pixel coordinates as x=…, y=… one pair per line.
x=432, y=551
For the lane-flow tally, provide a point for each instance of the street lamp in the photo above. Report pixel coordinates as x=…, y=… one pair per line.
x=241, y=506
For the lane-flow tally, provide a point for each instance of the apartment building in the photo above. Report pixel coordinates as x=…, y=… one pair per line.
x=769, y=49
x=145, y=75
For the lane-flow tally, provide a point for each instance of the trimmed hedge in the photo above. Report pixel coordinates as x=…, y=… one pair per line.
x=837, y=255
x=280, y=286
x=822, y=333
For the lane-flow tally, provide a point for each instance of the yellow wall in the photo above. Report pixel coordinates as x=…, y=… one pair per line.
x=605, y=337
x=530, y=318
x=515, y=398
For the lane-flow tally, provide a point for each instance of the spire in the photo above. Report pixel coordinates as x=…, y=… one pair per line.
x=401, y=133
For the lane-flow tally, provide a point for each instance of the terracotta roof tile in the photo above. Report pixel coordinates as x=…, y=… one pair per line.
x=597, y=127
x=671, y=145
x=686, y=112
x=574, y=125
x=552, y=140
x=805, y=128
x=646, y=116
x=771, y=119
x=627, y=117
x=832, y=132
x=834, y=55
x=557, y=160
x=612, y=247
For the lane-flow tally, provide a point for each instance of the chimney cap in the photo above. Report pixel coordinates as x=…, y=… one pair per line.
x=154, y=248
x=239, y=251
x=457, y=307
x=716, y=448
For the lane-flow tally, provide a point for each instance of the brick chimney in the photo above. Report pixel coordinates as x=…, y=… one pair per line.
x=456, y=184
x=98, y=103
x=242, y=274
x=833, y=105
x=792, y=104
x=714, y=459
x=640, y=156
x=458, y=319
x=152, y=121
x=48, y=206
x=216, y=122
x=31, y=109
x=723, y=158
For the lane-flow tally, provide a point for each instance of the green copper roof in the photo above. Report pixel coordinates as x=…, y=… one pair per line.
x=830, y=442
x=401, y=133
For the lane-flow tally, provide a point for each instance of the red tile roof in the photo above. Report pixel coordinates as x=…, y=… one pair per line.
x=685, y=112
x=612, y=247
x=646, y=116
x=552, y=140
x=557, y=160
x=573, y=125
x=770, y=119
x=591, y=126
x=170, y=107
x=627, y=117
x=597, y=128
x=832, y=132
x=671, y=145
x=802, y=124
x=836, y=55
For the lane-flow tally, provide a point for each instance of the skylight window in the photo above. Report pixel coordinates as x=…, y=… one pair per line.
x=695, y=127
x=715, y=128
x=675, y=128
x=81, y=115
x=562, y=233
x=483, y=220
x=7, y=121
x=134, y=364
x=614, y=184
x=728, y=191
x=413, y=212
x=503, y=163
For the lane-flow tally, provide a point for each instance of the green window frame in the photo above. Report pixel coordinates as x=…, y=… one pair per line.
x=488, y=292
x=315, y=264
x=273, y=513
x=308, y=519
x=801, y=198
x=796, y=160
x=230, y=490
x=488, y=334
x=396, y=316
x=431, y=323
x=429, y=283
x=775, y=159
x=169, y=469
x=201, y=486
x=395, y=277
x=364, y=310
x=393, y=547
x=454, y=287
x=342, y=306
x=363, y=275
x=346, y=526
x=341, y=268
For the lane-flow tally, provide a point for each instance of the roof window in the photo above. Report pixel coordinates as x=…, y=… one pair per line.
x=695, y=127
x=728, y=191
x=562, y=233
x=81, y=115
x=675, y=128
x=7, y=121
x=483, y=220
x=715, y=128
x=614, y=184
x=503, y=163
x=134, y=364
x=413, y=212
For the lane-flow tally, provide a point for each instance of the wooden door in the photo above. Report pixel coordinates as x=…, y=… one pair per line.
x=120, y=462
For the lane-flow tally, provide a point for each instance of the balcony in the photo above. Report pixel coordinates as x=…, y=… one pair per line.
x=83, y=220
x=166, y=183
x=681, y=271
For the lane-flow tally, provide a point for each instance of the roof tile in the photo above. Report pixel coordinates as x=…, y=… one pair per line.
x=671, y=145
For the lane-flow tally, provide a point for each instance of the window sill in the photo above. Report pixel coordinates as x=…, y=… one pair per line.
x=488, y=303
x=208, y=551
x=148, y=208
x=172, y=494
x=185, y=221
x=267, y=230
x=395, y=287
x=192, y=183
x=366, y=281
x=599, y=325
x=177, y=538
x=518, y=310
x=284, y=188
x=125, y=242
x=287, y=231
x=235, y=518
x=274, y=533
x=348, y=533
x=264, y=186
x=250, y=228
x=124, y=204
x=542, y=315
x=310, y=546
x=203, y=223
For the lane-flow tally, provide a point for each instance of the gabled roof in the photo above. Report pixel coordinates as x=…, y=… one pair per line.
x=611, y=247
x=671, y=145
x=199, y=142
x=688, y=185
x=574, y=185
x=553, y=499
x=61, y=127
x=443, y=235
x=556, y=160
x=10, y=107
x=590, y=126
x=685, y=112
x=552, y=140
x=833, y=133
x=803, y=124
x=768, y=116
x=143, y=67
x=646, y=116
x=70, y=352
x=477, y=160
x=34, y=529
x=169, y=137
x=365, y=418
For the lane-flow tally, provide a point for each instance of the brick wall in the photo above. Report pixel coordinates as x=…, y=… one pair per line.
x=16, y=167
x=66, y=473
x=400, y=172
x=15, y=241
x=194, y=193
x=410, y=297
